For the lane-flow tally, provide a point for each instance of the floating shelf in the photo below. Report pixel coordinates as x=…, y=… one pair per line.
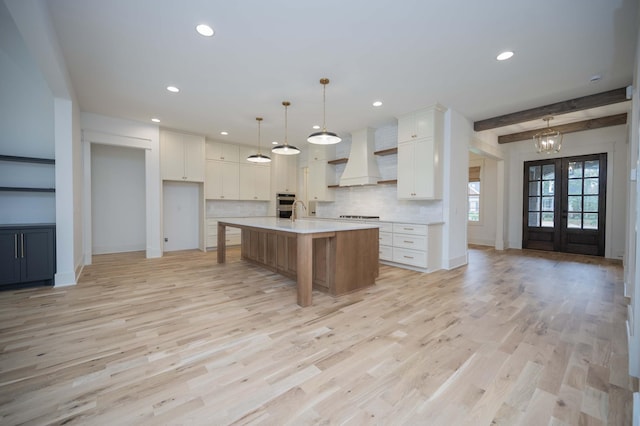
x=390, y=181
x=27, y=159
x=338, y=161
x=389, y=151
x=17, y=189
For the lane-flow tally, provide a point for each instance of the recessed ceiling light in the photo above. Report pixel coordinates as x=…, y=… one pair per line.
x=274, y=143
x=224, y=133
x=155, y=120
x=204, y=30
x=377, y=103
x=504, y=55
x=173, y=89
x=316, y=127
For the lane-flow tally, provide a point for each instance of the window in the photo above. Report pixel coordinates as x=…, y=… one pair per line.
x=473, y=194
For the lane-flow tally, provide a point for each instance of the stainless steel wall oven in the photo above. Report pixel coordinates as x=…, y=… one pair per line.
x=284, y=205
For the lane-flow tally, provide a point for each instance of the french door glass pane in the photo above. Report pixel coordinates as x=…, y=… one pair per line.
x=575, y=203
x=548, y=172
x=534, y=219
x=575, y=186
x=547, y=203
x=591, y=186
x=534, y=204
x=590, y=221
x=574, y=220
x=547, y=219
x=591, y=168
x=534, y=173
x=575, y=169
x=547, y=187
x=534, y=188
x=590, y=204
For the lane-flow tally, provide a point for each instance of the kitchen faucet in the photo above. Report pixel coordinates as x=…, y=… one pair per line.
x=293, y=209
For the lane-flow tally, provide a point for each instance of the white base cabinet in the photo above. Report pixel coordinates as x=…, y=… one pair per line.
x=232, y=235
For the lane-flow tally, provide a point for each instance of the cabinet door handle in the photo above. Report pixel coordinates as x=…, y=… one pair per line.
x=408, y=257
x=408, y=242
x=22, y=245
x=15, y=244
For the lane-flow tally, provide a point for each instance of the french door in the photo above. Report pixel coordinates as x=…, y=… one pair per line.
x=564, y=204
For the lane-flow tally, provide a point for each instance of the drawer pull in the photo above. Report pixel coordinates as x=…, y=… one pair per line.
x=408, y=257
x=408, y=229
x=408, y=242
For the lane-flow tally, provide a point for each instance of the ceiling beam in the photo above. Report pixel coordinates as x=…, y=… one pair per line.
x=595, y=123
x=572, y=105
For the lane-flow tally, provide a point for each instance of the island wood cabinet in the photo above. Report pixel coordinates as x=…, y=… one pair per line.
x=420, y=149
x=182, y=156
x=27, y=255
x=285, y=173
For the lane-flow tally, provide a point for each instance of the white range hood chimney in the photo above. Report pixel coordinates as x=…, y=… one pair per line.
x=362, y=168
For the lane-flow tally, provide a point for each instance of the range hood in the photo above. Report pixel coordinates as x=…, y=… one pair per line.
x=362, y=168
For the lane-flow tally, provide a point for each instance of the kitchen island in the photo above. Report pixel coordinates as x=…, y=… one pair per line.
x=329, y=256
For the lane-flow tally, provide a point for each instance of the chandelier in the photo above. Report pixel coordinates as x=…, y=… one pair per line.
x=548, y=141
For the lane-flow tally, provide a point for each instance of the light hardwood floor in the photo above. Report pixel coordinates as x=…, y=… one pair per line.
x=515, y=337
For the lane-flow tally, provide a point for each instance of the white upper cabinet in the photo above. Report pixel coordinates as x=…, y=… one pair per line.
x=320, y=152
x=420, y=149
x=285, y=173
x=222, y=180
x=222, y=151
x=255, y=182
x=182, y=156
x=321, y=175
x=421, y=124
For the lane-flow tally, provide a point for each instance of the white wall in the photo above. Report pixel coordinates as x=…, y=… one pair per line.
x=458, y=132
x=613, y=141
x=484, y=231
x=118, y=199
x=26, y=120
x=181, y=215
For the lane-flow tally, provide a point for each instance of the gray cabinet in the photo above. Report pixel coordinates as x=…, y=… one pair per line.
x=27, y=255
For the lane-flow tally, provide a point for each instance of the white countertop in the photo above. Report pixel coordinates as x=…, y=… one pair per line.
x=300, y=226
x=359, y=220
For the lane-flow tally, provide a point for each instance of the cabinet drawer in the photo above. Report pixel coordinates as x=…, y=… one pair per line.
x=415, y=242
x=410, y=228
x=385, y=226
x=385, y=238
x=410, y=257
x=385, y=253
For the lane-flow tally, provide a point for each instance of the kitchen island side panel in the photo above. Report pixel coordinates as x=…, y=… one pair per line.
x=356, y=260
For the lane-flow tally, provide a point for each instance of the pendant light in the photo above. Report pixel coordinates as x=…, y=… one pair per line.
x=324, y=137
x=259, y=157
x=285, y=148
x=548, y=141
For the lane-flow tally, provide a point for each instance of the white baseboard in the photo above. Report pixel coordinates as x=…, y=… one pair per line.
x=456, y=262
x=153, y=252
x=116, y=249
x=64, y=279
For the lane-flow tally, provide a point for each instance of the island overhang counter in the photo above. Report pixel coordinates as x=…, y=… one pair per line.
x=335, y=257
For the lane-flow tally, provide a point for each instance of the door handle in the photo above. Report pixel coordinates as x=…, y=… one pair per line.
x=22, y=245
x=15, y=244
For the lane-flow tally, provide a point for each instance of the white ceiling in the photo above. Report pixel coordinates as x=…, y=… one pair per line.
x=121, y=55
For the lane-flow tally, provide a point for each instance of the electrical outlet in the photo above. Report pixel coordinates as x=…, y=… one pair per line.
x=166, y=240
